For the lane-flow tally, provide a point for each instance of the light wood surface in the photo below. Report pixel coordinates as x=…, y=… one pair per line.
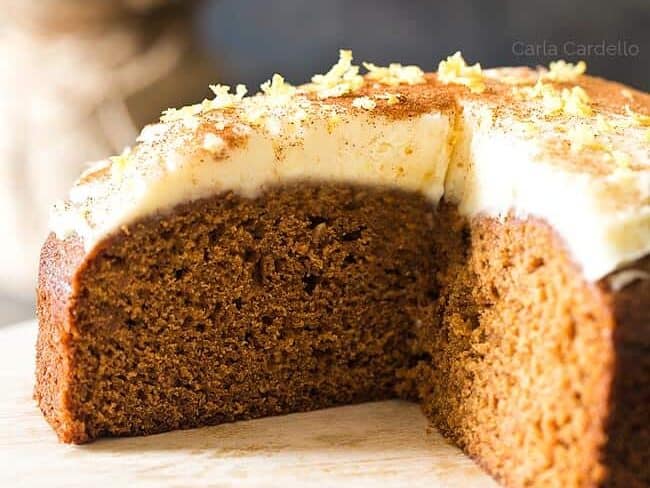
x=375, y=444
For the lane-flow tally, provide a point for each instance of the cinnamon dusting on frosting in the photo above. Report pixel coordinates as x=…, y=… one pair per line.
x=568, y=101
x=415, y=93
x=571, y=123
x=627, y=94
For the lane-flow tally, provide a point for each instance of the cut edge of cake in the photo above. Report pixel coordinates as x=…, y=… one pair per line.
x=576, y=170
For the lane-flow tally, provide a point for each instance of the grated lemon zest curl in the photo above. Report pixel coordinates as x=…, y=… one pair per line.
x=562, y=71
x=395, y=74
x=343, y=78
x=365, y=103
x=455, y=70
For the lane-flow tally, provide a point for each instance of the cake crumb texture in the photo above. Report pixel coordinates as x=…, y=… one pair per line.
x=314, y=295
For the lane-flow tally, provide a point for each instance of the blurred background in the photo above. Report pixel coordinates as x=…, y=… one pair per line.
x=79, y=78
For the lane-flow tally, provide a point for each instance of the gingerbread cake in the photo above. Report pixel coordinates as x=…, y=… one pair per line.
x=474, y=240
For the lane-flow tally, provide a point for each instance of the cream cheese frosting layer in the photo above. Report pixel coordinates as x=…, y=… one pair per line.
x=496, y=172
x=335, y=145
x=576, y=155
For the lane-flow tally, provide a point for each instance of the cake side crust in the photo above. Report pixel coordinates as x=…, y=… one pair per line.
x=56, y=282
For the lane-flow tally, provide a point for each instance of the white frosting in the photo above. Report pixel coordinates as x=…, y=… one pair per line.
x=409, y=154
x=486, y=164
x=495, y=172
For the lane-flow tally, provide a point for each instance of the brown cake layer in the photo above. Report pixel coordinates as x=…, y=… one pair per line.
x=309, y=296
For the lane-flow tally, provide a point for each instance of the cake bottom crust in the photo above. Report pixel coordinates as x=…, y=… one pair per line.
x=317, y=295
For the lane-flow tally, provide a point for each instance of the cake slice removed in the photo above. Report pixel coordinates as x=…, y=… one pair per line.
x=477, y=241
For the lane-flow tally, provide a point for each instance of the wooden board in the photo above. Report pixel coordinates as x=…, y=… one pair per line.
x=378, y=444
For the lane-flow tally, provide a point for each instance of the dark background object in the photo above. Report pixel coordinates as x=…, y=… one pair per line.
x=297, y=38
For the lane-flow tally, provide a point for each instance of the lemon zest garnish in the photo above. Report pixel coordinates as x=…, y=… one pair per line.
x=584, y=138
x=560, y=70
x=332, y=122
x=257, y=110
x=391, y=98
x=212, y=142
x=254, y=113
x=535, y=91
x=273, y=125
x=120, y=162
x=183, y=113
x=640, y=119
x=341, y=79
x=278, y=90
x=395, y=74
x=574, y=101
x=365, y=103
x=455, y=70
x=223, y=98
x=552, y=103
x=299, y=115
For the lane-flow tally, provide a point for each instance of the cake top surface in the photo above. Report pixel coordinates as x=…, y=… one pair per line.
x=575, y=111
x=444, y=133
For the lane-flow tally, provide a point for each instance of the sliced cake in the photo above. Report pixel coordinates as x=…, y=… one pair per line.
x=474, y=240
